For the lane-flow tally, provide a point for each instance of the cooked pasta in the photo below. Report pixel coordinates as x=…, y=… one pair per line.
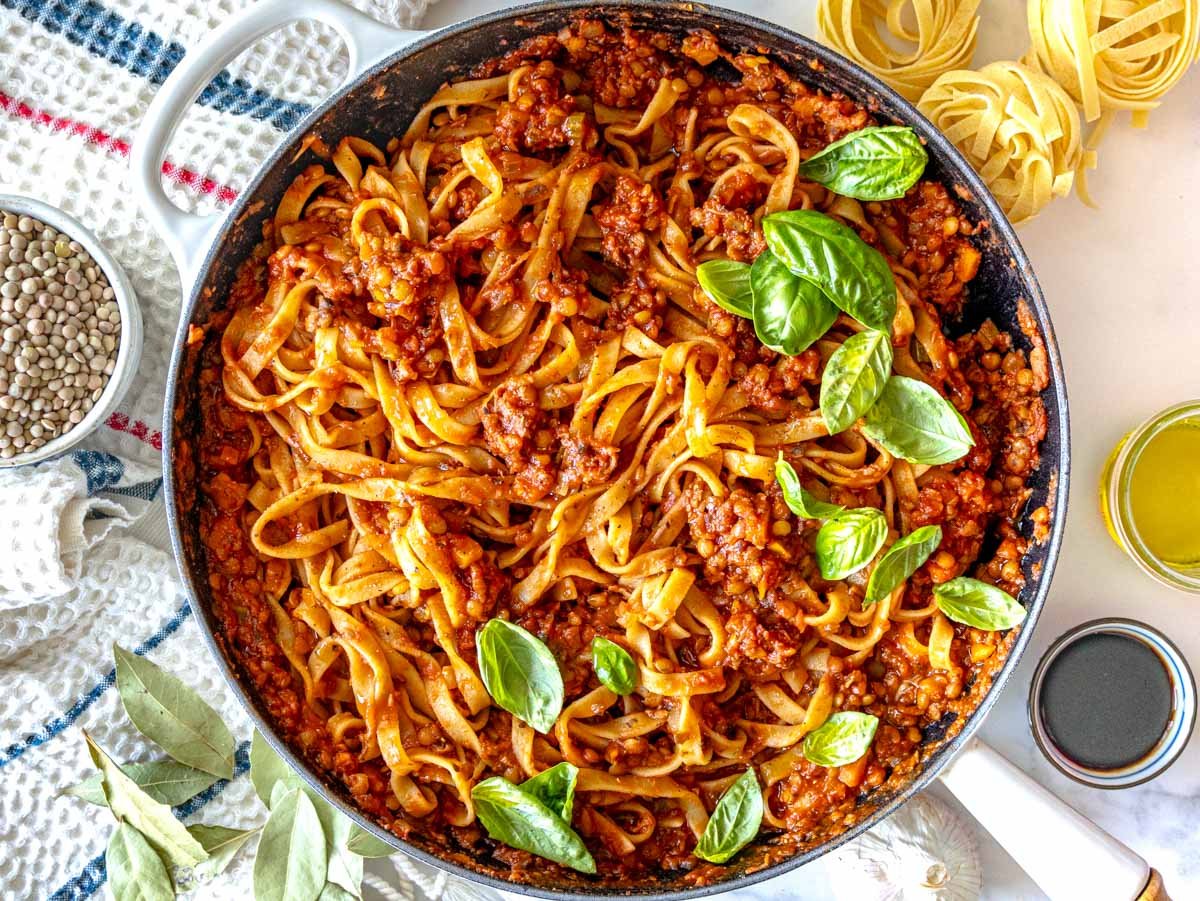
x=924, y=38
x=1115, y=54
x=1019, y=129
x=470, y=376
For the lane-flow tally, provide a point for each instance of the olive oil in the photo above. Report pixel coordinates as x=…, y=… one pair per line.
x=1150, y=496
x=1164, y=494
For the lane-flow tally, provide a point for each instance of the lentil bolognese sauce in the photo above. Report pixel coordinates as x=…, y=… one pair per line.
x=472, y=376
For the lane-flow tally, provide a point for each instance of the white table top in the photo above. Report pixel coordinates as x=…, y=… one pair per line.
x=1123, y=284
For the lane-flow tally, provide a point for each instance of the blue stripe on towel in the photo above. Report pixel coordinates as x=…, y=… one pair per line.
x=102, y=470
x=83, y=702
x=143, y=491
x=93, y=875
x=127, y=44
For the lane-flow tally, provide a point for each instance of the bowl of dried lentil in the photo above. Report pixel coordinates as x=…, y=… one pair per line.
x=70, y=332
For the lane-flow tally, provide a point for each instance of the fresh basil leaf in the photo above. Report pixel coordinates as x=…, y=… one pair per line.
x=519, y=820
x=166, y=781
x=364, y=844
x=916, y=423
x=900, y=561
x=222, y=845
x=790, y=313
x=841, y=739
x=173, y=716
x=290, y=863
x=155, y=821
x=267, y=768
x=854, y=378
x=852, y=273
x=798, y=498
x=614, y=667
x=727, y=284
x=870, y=164
x=735, y=821
x=135, y=871
x=978, y=604
x=555, y=788
x=850, y=541
x=520, y=673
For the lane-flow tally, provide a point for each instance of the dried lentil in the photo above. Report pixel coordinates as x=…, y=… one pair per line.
x=61, y=330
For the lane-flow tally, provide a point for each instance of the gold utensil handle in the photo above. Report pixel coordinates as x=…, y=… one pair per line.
x=1154, y=890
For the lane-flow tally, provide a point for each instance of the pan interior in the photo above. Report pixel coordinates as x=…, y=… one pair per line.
x=378, y=107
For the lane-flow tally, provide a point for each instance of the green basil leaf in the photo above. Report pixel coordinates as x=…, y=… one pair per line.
x=614, y=667
x=222, y=845
x=153, y=820
x=900, y=561
x=850, y=541
x=852, y=273
x=854, y=378
x=135, y=871
x=916, y=423
x=735, y=821
x=978, y=604
x=555, y=788
x=519, y=820
x=520, y=673
x=841, y=739
x=870, y=164
x=364, y=844
x=166, y=781
x=267, y=768
x=790, y=313
x=727, y=284
x=290, y=863
x=173, y=716
x=798, y=498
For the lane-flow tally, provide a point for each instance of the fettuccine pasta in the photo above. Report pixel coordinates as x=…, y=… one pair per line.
x=470, y=375
x=924, y=38
x=1017, y=127
x=1115, y=54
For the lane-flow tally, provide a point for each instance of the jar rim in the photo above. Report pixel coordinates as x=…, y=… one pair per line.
x=1119, y=501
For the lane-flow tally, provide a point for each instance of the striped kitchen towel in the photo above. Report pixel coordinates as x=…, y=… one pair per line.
x=76, y=77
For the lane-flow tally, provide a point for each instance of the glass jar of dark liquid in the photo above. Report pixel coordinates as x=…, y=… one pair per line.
x=1112, y=703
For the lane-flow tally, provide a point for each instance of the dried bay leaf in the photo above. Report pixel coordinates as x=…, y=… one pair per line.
x=129, y=804
x=173, y=716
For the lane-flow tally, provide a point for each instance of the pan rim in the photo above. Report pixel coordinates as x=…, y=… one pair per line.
x=956, y=165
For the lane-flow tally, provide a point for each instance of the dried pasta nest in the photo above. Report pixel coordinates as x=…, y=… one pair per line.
x=941, y=34
x=1019, y=129
x=1115, y=54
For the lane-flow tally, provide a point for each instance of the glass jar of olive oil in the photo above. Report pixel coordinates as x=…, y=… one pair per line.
x=1150, y=496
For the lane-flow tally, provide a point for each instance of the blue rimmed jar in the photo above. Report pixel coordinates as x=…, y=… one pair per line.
x=1175, y=734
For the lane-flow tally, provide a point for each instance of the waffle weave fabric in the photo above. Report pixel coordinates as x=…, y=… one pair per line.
x=84, y=538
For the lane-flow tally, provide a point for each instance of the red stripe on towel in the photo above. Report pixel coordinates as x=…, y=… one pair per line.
x=120, y=422
x=92, y=135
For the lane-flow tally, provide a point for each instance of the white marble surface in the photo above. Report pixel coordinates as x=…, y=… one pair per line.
x=1123, y=283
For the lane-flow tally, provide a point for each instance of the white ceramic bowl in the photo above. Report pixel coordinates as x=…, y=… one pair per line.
x=129, y=350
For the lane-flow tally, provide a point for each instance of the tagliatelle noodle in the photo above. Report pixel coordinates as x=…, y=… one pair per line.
x=941, y=32
x=1115, y=54
x=1018, y=128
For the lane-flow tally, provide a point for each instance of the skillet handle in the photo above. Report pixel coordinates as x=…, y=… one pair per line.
x=1065, y=853
x=189, y=235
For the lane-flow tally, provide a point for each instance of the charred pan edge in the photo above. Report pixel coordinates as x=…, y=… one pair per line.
x=391, y=91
